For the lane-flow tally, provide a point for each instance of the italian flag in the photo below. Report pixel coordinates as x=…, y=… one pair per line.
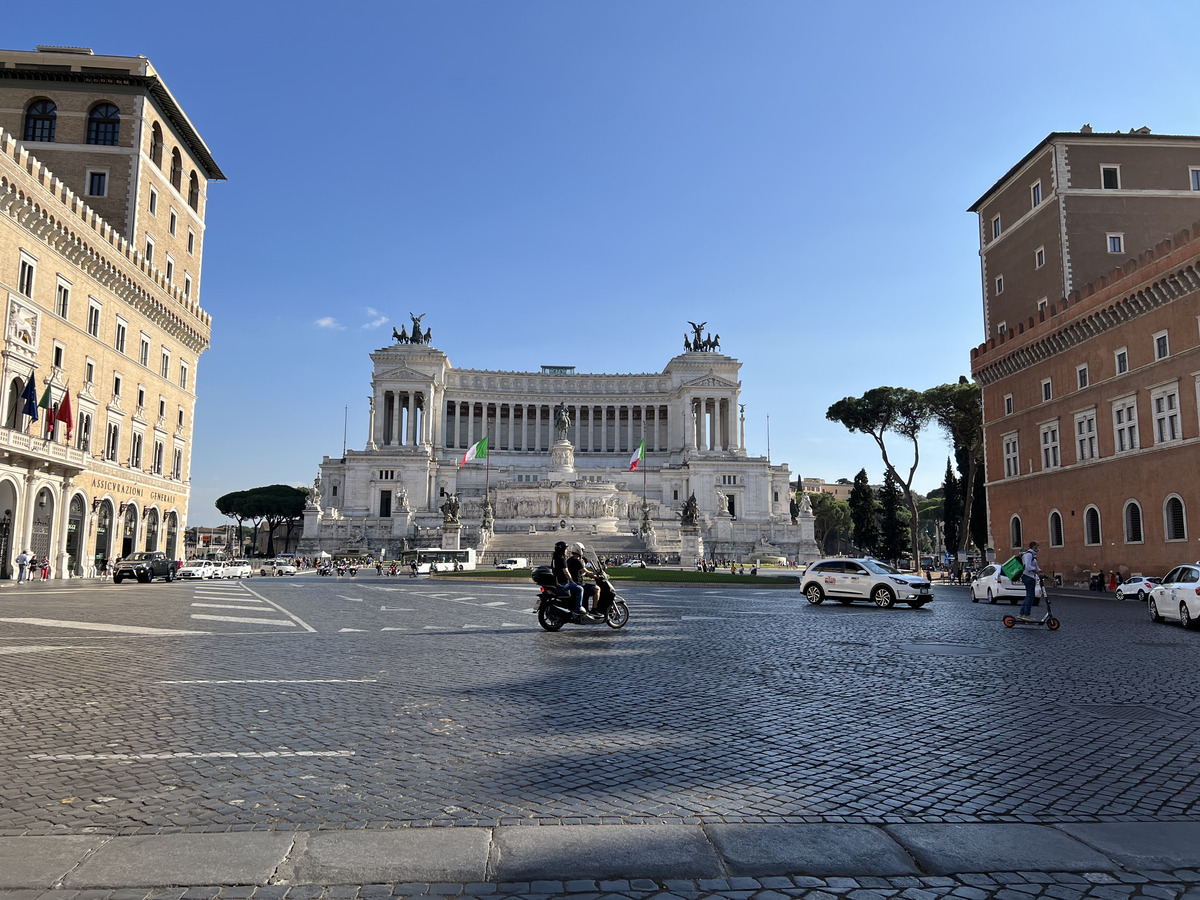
x=478, y=450
x=638, y=455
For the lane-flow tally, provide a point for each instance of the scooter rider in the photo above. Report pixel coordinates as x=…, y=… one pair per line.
x=1029, y=577
x=576, y=566
x=562, y=576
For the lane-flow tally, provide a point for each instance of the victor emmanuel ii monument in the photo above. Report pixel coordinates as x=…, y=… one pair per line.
x=560, y=447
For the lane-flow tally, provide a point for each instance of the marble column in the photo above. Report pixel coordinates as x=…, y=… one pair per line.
x=64, y=514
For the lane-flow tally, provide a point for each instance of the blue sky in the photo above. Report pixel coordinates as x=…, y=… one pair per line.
x=569, y=182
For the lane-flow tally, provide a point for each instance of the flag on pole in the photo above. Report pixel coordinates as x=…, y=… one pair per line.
x=638, y=455
x=64, y=414
x=29, y=395
x=478, y=450
x=47, y=404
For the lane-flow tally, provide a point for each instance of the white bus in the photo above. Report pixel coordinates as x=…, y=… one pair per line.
x=432, y=560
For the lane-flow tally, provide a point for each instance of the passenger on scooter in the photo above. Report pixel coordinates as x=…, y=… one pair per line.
x=578, y=567
x=562, y=576
x=1030, y=577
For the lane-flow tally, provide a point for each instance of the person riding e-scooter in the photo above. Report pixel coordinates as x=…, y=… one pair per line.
x=1029, y=577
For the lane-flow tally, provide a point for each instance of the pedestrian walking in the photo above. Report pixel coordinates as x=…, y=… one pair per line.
x=22, y=565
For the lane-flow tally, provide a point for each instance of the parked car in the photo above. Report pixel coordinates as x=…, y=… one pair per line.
x=278, y=567
x=235, y=568
x=1177, y=597
x=847, y=580
x=634, y=564
x=991, y=584
x=198, y=568
x=145, y=566
x=1138, y=586
x=513, y=562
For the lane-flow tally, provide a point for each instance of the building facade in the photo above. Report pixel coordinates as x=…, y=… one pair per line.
x=1091, y=401
x=103, y=186
x=560, y=445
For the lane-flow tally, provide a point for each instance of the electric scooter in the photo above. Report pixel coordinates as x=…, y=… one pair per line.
x=1011, y=621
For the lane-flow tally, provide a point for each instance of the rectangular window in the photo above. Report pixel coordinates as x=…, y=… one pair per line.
x=1039, y=257
x=183, y=374
x=1050, y=446
x=1002, y=328
x=1194, y=176
x=89, y=371
x=1116, y=243
x=83, y=433
x=1122, y=361
x=1047, y=390
x=1081, y=374
x=162, y=411
x=1125, y=425
x=149, y=249
x=62, y=298
x=153, y=202
x=97, y=182
x=1043, y=305
x=173, y=223
x=1008, y=404
x=1000, y=284
x=1035, y=194
x=1012, y=461
x=187, y=285
x=170, y=271
x=144, y=351
x=156, y=465
x=25, y=275
x=165, y=368
x=191, y=241
x=181, y=417
x=59, y=350
x=996, y=228
x=112, y=441
x=1162, y=347
x=141, y=404
x=1165, y=401
x=1110, y=178
x=116, y=386
x=119, y=340
x=1085, y=435
x=93, y=322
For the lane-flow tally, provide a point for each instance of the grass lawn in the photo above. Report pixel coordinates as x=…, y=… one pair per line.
x=650, y=575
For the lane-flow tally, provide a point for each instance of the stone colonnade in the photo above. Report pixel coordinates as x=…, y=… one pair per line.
x=715, y=424
x=595, y=428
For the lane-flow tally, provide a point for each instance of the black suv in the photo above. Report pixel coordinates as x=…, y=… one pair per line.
x=145, y=567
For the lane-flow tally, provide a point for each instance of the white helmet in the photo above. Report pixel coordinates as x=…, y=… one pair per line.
x=577, y=547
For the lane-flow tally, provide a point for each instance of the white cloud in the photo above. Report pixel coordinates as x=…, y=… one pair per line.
x=376, y=318
x=329, y=322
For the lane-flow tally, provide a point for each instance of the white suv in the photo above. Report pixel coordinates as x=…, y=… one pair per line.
x=847, y=580
x=1178, y=597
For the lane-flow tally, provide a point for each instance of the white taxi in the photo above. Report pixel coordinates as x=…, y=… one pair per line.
x=847, y=580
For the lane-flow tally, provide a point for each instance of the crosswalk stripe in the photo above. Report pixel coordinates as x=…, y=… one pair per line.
x=227, y=606
x=100, y=626
x=248, y=620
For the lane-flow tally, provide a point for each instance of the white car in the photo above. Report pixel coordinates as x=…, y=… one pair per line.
x=991, y=584
x=1178, y=597
x=236, y=568
x=847, y=580
x=1138, y=586
x=278, y=567
x=198, y=568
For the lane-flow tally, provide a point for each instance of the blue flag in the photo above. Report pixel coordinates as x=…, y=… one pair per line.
x=31, y=400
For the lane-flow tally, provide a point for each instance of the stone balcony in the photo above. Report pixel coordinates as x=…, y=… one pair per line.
x=31, y=446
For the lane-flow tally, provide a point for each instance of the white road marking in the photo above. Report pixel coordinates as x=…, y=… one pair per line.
x=352, y=599
x=477, y=626
x=511, y=625
x=397, y=609
x=35, y=648
x=276, y=681
x=294, y=618
x=99, y=626
x=393, y=629
x=344, y=630
x=702, y=618
x=497, y=603
x=219, y=754
x=244, y=619
x=227, y=606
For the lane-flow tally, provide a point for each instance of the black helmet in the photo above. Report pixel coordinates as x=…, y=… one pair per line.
x=560, y=547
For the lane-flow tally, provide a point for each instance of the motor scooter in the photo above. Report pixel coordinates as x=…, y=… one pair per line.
x=554, y=605
x=1011, y=621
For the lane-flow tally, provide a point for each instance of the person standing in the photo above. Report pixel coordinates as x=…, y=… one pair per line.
x=22, y=565
x=45, y=568
x=1029, y=577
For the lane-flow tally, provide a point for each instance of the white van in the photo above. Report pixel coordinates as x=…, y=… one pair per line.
x=513, y=562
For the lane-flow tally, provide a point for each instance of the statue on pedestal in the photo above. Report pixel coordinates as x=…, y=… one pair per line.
x=314, y=497
x=450, y=509
x=562, y=423
x=690, y=514
x=401, y=497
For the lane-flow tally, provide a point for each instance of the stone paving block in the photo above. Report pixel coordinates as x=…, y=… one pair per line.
x=603, y=852
x=823, y=850
x=183, y=859
x=39, y=862
x=398, y=855
x=1143, y=845
x=953, y=849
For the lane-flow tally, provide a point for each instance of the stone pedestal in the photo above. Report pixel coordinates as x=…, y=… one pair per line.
x=722, y=528
x=562, y=458
x=401, y=522
x=691, y=546
x=451, y=533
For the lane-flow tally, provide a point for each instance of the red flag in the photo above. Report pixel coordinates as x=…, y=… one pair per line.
x=64, y=413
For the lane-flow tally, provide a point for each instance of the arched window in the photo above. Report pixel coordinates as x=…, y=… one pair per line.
x=1056, y=529
x=13, y=411
x=156, y=144
x=40, y=119
x=1174, y=521
x=176, y=169
x=1091, y=527
x=194, y=192
x=1133, y=522
x=104, y=125
x=1014, y=531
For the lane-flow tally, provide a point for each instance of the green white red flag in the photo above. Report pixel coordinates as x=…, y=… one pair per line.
x=478, y=450
x=638, y=455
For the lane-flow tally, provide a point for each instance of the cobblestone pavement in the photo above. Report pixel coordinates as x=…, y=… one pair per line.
x=309, y=703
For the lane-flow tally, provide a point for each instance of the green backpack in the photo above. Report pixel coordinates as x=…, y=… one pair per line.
x=1013, y=568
